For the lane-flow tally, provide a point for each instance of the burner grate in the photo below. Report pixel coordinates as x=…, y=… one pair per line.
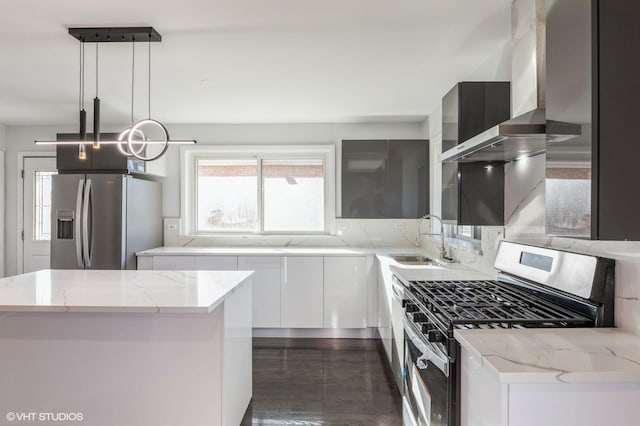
x=474, y=303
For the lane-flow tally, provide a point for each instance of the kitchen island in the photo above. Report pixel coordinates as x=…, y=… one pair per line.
x=125, y=347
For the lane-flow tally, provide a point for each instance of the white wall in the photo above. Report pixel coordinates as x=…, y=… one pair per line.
x=350, y=232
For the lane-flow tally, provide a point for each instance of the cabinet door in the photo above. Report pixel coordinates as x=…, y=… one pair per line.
x=384, y=312
x=174, y=263
x=216, y=263
x=364, y=171
x=195, y=263
x=266, y=288
x=345, y=292
x=302, y=292
x=385, y=178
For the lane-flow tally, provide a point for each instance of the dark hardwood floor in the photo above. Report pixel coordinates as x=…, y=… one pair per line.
x=322, y=382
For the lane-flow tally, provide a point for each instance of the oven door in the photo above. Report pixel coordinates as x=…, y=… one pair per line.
x=427, y=385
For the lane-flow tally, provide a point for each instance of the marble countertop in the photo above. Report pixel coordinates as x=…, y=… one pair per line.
x=452, y=271
x=568, y=355
x=258, y=251
x=118, y=291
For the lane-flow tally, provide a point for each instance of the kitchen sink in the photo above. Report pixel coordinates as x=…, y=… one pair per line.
x=413, y=259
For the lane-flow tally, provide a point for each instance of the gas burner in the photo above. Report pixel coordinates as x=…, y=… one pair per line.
x=492, y=304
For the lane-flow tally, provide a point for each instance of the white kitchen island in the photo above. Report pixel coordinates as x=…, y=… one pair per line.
x=125, y=347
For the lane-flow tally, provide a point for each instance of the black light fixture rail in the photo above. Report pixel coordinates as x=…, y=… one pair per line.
x=115, y=34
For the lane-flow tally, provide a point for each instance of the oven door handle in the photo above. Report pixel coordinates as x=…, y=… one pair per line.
x=397, y=290
x=429, y=351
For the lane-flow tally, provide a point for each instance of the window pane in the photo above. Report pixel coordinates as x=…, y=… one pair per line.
x=227, y=195
x=42, y=206
x=293, y=195
x=465, y=231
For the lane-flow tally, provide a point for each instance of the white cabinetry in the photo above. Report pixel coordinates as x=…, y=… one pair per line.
x=345, y=292
x=302, y=292
x=298, y=291
x=384, y=311
x=487, y=402
x=237, y=363
x=195, y=263
x=266, y=288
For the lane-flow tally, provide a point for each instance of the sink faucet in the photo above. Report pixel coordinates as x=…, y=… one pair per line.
x=443, y=249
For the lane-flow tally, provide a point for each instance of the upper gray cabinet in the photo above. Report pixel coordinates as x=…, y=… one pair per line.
x=592, y=80
x=385, y=179
x=473, y=193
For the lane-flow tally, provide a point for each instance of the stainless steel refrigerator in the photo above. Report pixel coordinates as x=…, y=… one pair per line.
x=99, y=221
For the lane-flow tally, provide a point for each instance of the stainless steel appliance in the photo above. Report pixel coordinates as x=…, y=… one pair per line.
x=536, y=287
x=100, y=220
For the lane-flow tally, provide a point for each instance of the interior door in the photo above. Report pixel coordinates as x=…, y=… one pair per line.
x=38, y=172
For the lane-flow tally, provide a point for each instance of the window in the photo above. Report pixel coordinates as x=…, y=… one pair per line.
x=42, y=206
x=468, y=232
x=293, y=195
x=265, y=189
x=227, y=195
x=463, y=232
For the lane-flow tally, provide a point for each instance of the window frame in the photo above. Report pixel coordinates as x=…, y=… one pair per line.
x=190, y=155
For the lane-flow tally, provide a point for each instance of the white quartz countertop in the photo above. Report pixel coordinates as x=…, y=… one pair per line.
x=453, y=271
x=568, y=355
x=256, y=251
x=118, y=291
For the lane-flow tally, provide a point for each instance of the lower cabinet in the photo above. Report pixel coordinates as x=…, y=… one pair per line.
x=195, y=263
x=486, y=401
x=297, y=291
x=345, y=292
x=266, y=288
x=302, y=292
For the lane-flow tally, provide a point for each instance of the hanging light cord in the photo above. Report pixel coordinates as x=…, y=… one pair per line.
x=80, y=80
x=97, y=45
x=149, y=88
x=133, y=68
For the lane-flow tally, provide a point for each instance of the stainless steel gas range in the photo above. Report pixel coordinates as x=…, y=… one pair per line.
x=536, y=287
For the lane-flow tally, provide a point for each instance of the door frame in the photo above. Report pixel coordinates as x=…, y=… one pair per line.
x=22, y=155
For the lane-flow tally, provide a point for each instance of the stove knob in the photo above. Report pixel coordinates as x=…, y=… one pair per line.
x=426, y=327
x=434, y=336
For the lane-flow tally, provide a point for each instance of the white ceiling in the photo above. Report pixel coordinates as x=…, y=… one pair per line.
x=247, y=61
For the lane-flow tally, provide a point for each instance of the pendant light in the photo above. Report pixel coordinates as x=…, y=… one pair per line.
x=148, y=121
x=96, y=106
x=82, y=152
x=123, y=137
x=132, y=140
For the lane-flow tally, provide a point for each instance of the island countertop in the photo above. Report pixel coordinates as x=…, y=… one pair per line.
x=118, y=291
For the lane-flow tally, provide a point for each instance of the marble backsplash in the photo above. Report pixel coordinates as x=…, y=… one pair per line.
x=365, y=233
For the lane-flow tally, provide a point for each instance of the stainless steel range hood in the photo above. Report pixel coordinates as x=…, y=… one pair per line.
x=527, y=133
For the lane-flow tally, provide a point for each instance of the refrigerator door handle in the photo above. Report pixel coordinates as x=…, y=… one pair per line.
x=85, y=224
x=78, y=227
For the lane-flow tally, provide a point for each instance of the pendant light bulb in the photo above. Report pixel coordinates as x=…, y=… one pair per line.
x=96, y=123
x=82, y=153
